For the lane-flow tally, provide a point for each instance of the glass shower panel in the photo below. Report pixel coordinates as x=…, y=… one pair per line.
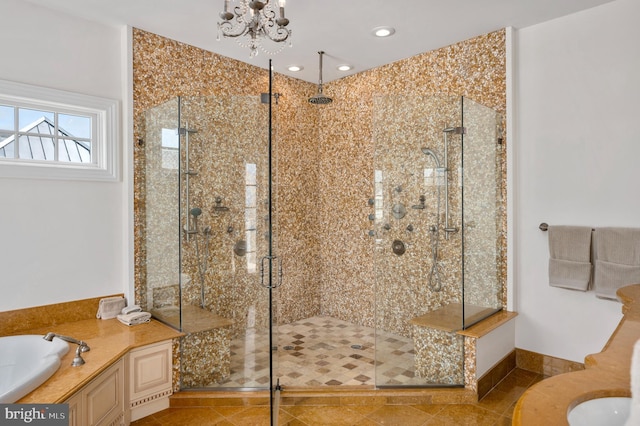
x=162, y=212
x=417, y=255
x=482, y=212
x=226, y=301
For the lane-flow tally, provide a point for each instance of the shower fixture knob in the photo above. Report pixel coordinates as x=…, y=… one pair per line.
x=410, y=228
x=399, y=210
x=372, y=233
x=398, y=247
x=371, y=201
x=372, y=217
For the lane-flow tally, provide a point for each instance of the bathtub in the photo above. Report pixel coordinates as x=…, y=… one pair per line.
x=26, y=362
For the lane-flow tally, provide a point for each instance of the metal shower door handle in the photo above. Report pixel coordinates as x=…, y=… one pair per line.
x=274, y=260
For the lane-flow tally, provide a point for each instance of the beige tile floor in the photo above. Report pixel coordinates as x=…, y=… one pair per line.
x=495, y=408
x=323, y=351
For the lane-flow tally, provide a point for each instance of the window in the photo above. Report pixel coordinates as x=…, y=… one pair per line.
x=170, y=149
x=251, y=215
x=47, y=133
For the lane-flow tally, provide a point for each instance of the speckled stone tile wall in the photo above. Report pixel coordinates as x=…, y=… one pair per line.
x=220, y=98
x=324, y=162
x=347, y=133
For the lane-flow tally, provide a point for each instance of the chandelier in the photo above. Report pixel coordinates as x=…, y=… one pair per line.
x=253, y=22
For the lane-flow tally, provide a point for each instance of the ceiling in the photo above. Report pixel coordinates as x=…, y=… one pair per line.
x=341, y=28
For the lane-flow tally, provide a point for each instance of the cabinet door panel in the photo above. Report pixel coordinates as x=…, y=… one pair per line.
x=104, y=399
x=75, y=410
x=150, y=370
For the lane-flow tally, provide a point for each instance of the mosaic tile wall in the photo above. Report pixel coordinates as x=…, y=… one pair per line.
x=347, y=133
x=220, y=99
x=324, y=163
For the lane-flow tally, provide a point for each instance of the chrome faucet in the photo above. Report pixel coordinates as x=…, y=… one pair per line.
x=82, y=346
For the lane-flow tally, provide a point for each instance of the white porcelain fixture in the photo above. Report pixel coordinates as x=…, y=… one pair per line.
x=26, y=362
x=611, y=411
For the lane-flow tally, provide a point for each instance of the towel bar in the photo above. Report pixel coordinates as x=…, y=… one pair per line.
x=545, y=227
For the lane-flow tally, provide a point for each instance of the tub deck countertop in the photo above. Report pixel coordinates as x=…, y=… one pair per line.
x=109, y=341
x=606, y=374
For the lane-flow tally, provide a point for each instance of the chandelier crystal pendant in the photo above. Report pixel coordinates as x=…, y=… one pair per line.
x=253, y=23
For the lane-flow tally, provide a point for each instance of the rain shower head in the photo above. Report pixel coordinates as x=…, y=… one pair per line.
x=432, y=154
x=320, y=98
x=195, y=212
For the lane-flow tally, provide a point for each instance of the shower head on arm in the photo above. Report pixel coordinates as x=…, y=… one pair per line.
x=320, y=98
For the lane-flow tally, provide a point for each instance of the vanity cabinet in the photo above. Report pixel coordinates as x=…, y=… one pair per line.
x=135, y=386
x=101, y=402
x=150, y=379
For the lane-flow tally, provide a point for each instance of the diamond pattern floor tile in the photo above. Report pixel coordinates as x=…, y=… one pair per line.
x=323, y=351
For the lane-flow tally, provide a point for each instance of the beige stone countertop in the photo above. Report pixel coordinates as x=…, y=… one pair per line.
x=109, y=341
x=606, y=374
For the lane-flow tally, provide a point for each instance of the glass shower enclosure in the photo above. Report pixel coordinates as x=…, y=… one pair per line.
x=435, y=218
x=211, y=234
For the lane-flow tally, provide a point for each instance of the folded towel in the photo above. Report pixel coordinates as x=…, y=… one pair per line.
x=570, y=257
x=134, y=318
x=618, y=245
x=567, y=274
x=617, y=260
x=609, y=277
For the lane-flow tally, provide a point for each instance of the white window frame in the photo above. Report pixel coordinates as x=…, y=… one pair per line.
x=105, y=117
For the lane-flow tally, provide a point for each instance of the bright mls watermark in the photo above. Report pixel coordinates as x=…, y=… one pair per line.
x=34, y=414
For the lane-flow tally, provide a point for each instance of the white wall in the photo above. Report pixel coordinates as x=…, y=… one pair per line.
x=577, y=83
x=61, y=240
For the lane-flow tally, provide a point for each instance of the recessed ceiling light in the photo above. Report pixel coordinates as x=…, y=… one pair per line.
x=383, y=31
x=295, y=68
x=344, y=67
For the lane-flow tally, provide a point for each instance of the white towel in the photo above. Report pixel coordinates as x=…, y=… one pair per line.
x=570, y=257
x=134, y=318
x=634, y=415
x=617, y=260
x=109, y=307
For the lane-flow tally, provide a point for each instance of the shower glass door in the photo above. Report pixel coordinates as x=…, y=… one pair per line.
x=209, y=236
x=230, y=154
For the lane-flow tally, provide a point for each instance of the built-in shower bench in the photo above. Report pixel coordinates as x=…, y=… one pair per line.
x=205, y=348
x=479, y=356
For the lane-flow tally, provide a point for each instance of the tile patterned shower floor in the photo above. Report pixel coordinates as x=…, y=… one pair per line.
x=323, y=351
